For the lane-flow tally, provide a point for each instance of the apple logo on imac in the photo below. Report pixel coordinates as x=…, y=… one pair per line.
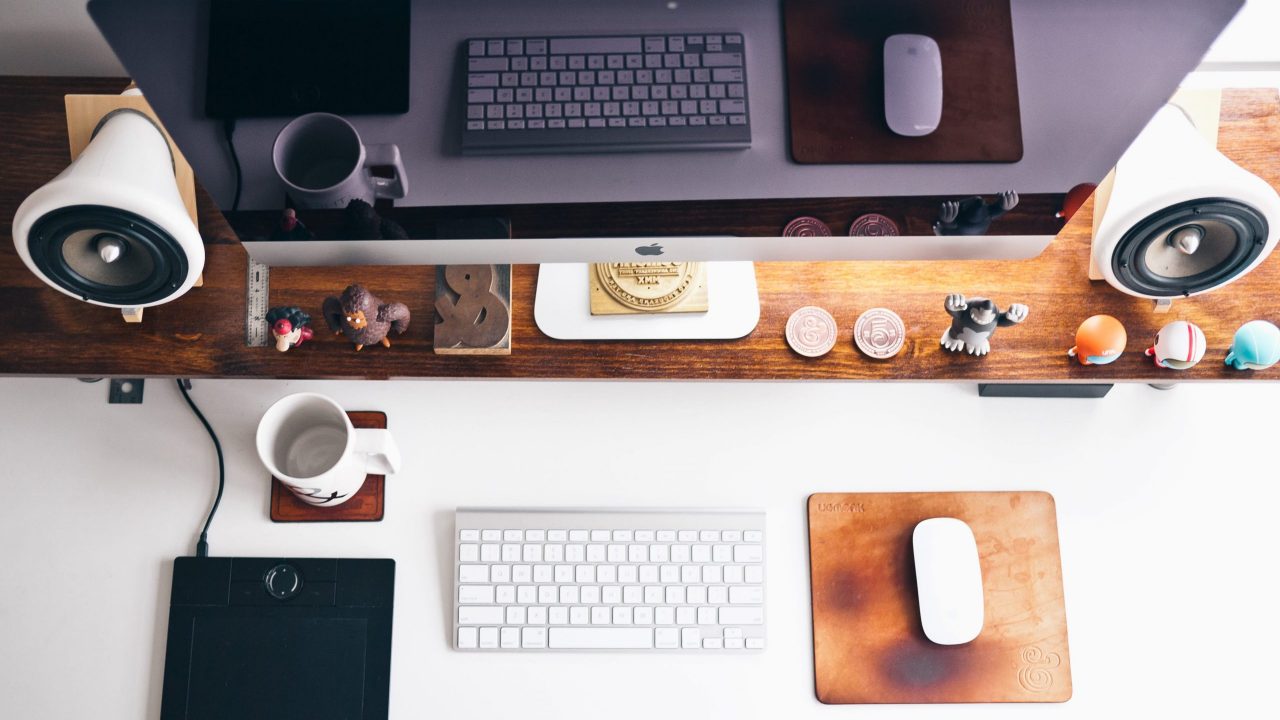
x=650, y=249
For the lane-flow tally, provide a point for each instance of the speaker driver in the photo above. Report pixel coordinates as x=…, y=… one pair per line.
x=1189, y=247
x=108, y=255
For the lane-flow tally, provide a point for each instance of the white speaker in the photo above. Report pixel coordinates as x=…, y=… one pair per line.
x=111, y=229
x=1181, y=219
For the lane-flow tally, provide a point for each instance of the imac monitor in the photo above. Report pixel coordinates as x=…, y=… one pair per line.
x=1089, y=75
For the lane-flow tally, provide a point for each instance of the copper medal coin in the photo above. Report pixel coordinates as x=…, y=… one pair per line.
x=873, y=225
x=811, y=331
x=806, y=226
x=879, y=333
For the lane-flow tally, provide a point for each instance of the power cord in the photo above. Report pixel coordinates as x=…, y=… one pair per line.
x=202, y=545
x=229, y=131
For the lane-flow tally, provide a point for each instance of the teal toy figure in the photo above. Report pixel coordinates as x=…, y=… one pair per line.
x=1256, y=346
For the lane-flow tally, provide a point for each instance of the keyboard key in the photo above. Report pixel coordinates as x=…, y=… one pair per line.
x=535, y=47
x=690, y=638
x=747, y=553
x=533, y=637
x=500, y=573
x=510, y=637
x=714, y=60
x=753, y=536
x=506, y=594
x=468, y=553
x=712, y=643
x=496, y=47
x=733, y=643
x=741, y=615
x=475, y=595
x=479, y=615
x=557, y=536
x=755, y=643
x=473, y=573
x=655, y=44
x=754, y=574
x=746, y=595
x=571, y=638
x=481, y=80
x=515, y=47
x=667, y=638
x=486, y=64
x=475, y=48
x=468, y=637
x=729, y=107
x=488, y=638
x=733, y=575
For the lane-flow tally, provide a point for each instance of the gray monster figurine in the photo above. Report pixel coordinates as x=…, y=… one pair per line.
x=973, y=323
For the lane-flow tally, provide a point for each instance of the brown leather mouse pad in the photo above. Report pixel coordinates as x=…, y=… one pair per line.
x=868, y=646
x=835, y=81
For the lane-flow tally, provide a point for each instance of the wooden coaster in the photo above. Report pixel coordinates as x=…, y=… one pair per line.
x=868, y=645
x=366, y=505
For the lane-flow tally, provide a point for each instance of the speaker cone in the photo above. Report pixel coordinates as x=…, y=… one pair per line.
x=108, y=255
x=1190, y=247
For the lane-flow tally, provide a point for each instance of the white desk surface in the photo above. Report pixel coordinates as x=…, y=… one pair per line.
x=1166, y=505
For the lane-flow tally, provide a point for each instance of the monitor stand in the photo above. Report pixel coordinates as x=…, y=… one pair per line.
x=562, y=308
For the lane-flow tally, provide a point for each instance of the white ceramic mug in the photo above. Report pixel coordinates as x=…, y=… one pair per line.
x=322, y=163
x=308, y=443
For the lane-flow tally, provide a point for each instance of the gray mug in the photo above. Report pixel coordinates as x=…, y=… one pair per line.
x=323, y=164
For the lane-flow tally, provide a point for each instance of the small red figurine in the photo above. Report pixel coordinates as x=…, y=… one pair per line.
x=289, y=326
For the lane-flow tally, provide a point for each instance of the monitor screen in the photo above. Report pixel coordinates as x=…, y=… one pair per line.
x=287, y=57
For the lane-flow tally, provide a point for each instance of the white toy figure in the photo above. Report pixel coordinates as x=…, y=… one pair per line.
x=972, y=323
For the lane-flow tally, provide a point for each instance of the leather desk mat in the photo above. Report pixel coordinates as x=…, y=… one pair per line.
x=868, y=645
x=835, y=81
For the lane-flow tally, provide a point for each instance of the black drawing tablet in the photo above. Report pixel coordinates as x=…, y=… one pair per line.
x=279, y=638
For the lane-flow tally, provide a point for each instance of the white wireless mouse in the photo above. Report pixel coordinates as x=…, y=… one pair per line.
x=912, y=84
x=949, y=579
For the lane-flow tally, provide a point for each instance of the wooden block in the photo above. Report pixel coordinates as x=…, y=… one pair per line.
x=84, y=112
x=367, y=505
x=647, y=288
x=473, y=310
x=868, y=644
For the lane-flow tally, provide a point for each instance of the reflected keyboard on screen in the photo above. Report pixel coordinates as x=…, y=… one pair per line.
x=687, y=580
x=605, y=93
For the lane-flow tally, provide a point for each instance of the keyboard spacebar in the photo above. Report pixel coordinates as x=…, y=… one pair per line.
x=599, y=638
x=570, y=46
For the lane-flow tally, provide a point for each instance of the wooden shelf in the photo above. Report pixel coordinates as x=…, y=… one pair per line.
x=202, y=333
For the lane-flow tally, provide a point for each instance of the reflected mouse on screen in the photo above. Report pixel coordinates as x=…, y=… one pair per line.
x=912, y=84
x=949, y=580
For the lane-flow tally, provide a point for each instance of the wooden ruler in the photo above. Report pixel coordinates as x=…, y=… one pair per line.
x=257, y=287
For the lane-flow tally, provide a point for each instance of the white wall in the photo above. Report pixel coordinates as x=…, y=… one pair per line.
x=56, y=37
x=52, y=37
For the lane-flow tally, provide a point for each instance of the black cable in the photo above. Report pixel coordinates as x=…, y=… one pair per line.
x=202, y=545
x=229, y=131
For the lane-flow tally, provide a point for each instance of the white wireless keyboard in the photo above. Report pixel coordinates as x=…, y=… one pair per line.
x=528, y=579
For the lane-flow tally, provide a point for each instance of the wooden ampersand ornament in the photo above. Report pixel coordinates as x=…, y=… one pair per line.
x=478, y=317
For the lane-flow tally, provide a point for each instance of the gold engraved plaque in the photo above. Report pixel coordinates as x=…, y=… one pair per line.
x=630, y=288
